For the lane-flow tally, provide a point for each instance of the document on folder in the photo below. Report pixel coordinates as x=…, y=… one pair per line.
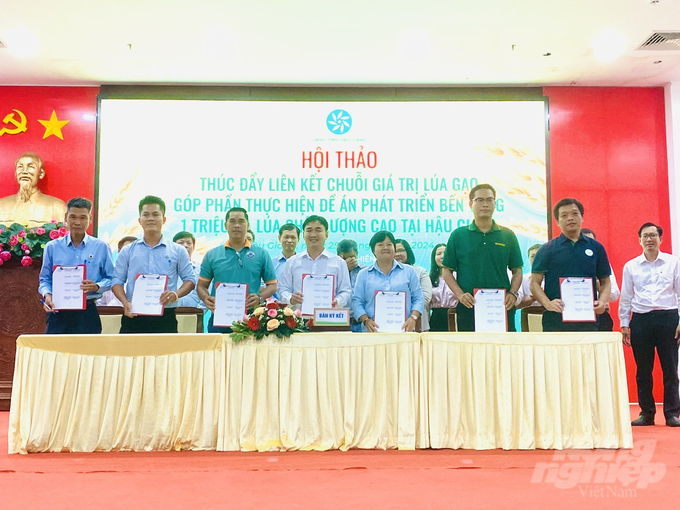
x=146, y=298
x=390, y=310
x=490, y=313
x=66, y=291
x=230, y=303
x=577, y=296
x=318, y=291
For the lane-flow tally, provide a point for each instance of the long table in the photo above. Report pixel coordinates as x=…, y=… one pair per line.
x=319, y=391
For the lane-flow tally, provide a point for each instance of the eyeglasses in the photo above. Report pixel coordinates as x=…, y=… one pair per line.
x=401, y=250
x=480, y=200
x=649, y=236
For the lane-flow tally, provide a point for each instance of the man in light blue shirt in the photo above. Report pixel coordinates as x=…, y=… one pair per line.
x=289, y=235
x=77, y=248
x=315, y=260
x=152, y=254
x=188, y=240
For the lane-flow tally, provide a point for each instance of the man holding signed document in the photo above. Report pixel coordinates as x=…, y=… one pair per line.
x=76, y=271
x=150, y=266
x=571, y=265
x=315, y=278
x=236, y=271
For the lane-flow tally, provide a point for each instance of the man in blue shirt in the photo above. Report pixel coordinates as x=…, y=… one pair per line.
x=77, y=248
x=152, y=254
x=289, y=236
x=570, y=255
x=238, y=261
x=188, y=240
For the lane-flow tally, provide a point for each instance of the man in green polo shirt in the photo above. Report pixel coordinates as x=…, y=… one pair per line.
x=238, y=261
x=481, y=254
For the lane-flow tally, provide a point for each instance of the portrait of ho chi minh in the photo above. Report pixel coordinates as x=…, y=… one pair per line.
x=29, y=206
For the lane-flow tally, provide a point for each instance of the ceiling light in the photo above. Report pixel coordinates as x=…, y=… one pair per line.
x=608, y=46
x=21, y=42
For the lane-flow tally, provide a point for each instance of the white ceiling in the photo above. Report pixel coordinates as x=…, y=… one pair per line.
x=340, y=42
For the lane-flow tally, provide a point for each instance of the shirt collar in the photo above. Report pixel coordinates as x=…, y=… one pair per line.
x=325, y=253
x=228, y=245
x=395, y=264
x=659, y=258
x=161, y=242
x=283, y=257
x=473, y=226
x=69, y=241
x=564, y=239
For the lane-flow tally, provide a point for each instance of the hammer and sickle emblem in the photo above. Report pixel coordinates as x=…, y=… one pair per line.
x=19, y=125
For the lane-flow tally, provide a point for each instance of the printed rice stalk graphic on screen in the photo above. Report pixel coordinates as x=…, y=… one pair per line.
x=526, y=182
x=119, y=198
x=530, y=229
x=131, y=229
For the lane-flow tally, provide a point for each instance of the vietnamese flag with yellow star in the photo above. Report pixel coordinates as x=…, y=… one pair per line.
x=60, y=125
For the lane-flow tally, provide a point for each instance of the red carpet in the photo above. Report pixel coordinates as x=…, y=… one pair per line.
x=376, y=480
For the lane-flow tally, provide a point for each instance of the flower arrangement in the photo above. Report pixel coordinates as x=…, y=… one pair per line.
x=272, y=319
x=25, y=244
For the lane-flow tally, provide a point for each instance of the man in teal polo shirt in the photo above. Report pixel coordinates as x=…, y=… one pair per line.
x=481, y=254
x=238, y=261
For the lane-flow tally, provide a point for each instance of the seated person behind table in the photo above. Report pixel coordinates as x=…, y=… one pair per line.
x=389, y=275
x=442, y=296
x=314, y=260
x=188, y=240
x=108, y=299
x=348, y=251
x=405, y=255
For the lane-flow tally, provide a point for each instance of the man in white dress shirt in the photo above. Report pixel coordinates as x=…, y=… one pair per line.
x=651, y=291
x=314, y=260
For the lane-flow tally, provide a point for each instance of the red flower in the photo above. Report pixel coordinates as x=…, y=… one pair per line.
x=13, y=240
x=63, y=231
x=54, y=234
x=5, y=255
x=22, y=233
x=26, y=261
x=254, y=323
x=272, y=306
x=1, y=262
x=310, y=323
x=24, y=246
x=40, y=231
x=290, y=322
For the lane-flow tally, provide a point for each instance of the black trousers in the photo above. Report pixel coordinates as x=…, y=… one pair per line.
x=466, y=318
x=166, y=323
x=75, y=322
x=552, y=321
x=649, y=331
x=439, y=320
x=605, y=321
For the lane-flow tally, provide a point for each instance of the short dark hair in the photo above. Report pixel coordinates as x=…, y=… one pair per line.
x=251, y=233
x=585, y=231
x=346, y=246
x=481, y=186
x=183, y=235
x=125, y=240
x=313, y=218
x=379, y=237
x=410, y=257
x=564, y=202
x=533, y=247
x=289, y=226
x=649, y=224
x=79, y=203
x=236, y=209
x=150, y=200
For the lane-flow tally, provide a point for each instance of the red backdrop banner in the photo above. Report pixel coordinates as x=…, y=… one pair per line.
x=34, y=119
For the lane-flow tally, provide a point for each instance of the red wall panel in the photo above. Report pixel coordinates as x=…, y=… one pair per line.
x=608, y=149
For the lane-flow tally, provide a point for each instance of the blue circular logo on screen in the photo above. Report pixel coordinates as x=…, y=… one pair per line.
x=339, y=122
